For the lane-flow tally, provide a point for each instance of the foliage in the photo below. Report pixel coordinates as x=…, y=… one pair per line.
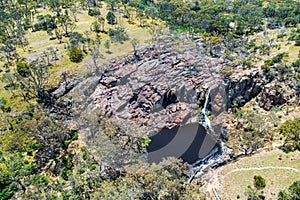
x=293, y=192
x=142, y=179
x=291, y=130
x=77, y=38
x=2, y=103
x=95, y=26
x=253, y=194
x=276, y=59
x=32, y=80
x=222, y=17
x=45, y=22
x=259, y=182
x=145, y=141
x=94, y=12
x=118, y=34
x=296, y=65
x=12, y=170
x=252, y=131
x=75, y=54
x=111, y=18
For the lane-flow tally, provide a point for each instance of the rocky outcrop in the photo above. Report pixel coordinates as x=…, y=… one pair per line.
x=166, y=87
x=244, y=87
x=276, y=94
x=160, y=90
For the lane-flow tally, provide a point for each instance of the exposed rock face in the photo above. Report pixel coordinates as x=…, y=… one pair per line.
x=242, y=89
x=276, y=94
x=165, y=87
x=161, y=90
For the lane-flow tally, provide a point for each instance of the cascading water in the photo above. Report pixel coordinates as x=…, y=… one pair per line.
x=216, y=153
x=204, y=120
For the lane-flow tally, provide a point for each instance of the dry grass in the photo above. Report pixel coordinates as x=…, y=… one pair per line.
x=234, y=182
x=293, y=53
x=39, y=41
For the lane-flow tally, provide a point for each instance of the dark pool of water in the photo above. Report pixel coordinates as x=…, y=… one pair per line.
x=189, y=142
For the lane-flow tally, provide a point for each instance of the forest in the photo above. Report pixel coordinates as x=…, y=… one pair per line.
x=62, y=62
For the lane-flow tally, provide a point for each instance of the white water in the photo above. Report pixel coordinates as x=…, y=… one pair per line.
x=216, y=153
x=204, y=120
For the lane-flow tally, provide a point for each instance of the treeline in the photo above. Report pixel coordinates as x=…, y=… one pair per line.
x=238, y=16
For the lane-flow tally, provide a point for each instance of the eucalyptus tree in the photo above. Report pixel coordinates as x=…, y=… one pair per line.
x=55, y=6
x=96, y=55
x=33, y=80
x=113, y=4
x=66, y=23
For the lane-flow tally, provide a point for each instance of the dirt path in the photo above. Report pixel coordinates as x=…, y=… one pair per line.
x=217, y=180
x=261, y=168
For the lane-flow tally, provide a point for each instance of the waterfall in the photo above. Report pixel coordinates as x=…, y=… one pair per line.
x=204, y=120
x=217, y=152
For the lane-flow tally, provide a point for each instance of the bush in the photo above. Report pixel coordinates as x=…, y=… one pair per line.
x=293, y=192
x=96, y=27
x=6, y=193
x=118, y=34
x=94, y=12
x=111, y=18
x=2, y=103
x=281, y=35
x=296, y=63
x=75, y=54
x=265, y=68
x=77, y=38
x=45, y=22
x=22, y=69
x=40, y=180
x=259, y=182
x=291, y=130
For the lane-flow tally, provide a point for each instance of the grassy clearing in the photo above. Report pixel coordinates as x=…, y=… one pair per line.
x=284, y=44
x=234, y=182
x=39, y=42
x=293, y=53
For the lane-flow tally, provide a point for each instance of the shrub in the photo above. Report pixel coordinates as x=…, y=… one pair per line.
x=259, y=182
x=281, y=35
x=265, y=68
x=75, y=54
x=292, y=193
x=111, y=18
x=296, y=65
x=40, y=180
x=77, y=38
x=22, y=69
x=118, y=34
x=96, y=27
x=2, y=103
x=94, y=12
x=45, y=22
x=291, y=130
